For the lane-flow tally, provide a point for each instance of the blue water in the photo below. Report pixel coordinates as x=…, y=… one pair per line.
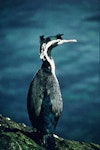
x=77, y=64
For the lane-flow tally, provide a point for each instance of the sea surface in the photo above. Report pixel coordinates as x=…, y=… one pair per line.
x=77, y=64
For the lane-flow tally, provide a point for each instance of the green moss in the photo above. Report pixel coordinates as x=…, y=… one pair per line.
x=63, y=144
x=16, y=136
x=17, y=141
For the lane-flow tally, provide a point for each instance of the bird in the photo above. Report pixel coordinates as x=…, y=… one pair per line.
x=44, y=100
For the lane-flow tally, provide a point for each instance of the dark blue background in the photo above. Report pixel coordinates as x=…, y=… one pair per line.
x=77, y=64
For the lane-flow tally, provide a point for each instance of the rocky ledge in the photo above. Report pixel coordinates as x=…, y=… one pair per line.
x=18, y=136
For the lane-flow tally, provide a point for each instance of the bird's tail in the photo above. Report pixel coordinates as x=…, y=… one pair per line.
x=48, y=142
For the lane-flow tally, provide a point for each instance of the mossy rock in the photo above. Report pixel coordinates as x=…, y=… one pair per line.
x=18, y=136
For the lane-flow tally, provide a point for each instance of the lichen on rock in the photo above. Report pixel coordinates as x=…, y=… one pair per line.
x=18, y=136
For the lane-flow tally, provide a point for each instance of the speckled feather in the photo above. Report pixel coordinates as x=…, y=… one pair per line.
x=44, y=81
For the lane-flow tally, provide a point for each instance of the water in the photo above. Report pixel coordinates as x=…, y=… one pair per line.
x=77, y=64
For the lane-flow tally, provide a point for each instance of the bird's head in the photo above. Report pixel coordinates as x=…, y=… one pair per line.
x=48, y=43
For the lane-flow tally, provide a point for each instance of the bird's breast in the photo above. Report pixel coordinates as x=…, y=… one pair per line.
x=45, y=82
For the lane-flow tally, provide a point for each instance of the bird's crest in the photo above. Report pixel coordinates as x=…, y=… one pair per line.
x=49, y=38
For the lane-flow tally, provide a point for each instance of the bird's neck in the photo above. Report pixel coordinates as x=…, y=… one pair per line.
x=49, y=65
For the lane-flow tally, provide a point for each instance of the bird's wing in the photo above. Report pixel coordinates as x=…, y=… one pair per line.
x=35, y=96
x=55, y=96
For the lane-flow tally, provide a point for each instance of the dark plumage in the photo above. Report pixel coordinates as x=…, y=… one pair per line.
x=44, y=101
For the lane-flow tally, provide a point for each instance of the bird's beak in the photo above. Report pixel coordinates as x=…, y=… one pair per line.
x=61, y=41
x=57, y=42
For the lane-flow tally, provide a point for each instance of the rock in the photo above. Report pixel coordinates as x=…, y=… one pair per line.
x=18, y=136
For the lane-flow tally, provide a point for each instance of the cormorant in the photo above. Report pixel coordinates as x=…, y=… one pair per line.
x=44, y=101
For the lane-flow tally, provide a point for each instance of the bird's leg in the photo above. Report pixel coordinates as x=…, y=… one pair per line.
x=48, y=142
